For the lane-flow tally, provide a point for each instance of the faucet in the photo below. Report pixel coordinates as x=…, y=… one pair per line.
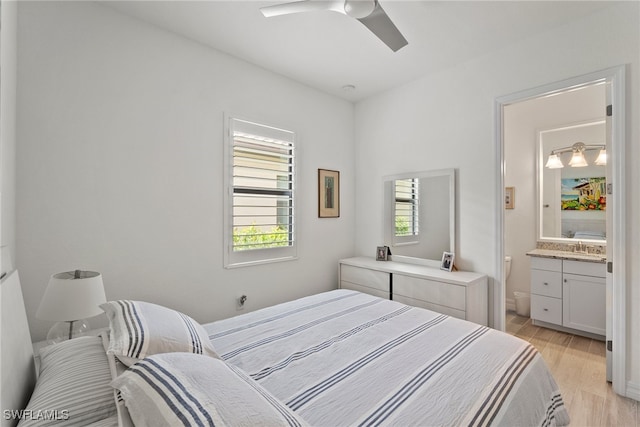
x=582, y=248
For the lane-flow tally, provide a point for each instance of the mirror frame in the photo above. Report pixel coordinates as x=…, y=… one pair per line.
x=540, y=165
x=388, y=212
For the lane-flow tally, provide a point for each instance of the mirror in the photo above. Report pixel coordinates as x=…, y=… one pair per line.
x=419, y=214
x=572, y=200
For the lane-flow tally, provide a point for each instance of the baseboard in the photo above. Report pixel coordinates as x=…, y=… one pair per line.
x=568, y=330
x=633, y=390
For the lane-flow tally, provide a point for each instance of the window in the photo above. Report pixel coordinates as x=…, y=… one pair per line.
x=259, y=203
x=407, y=206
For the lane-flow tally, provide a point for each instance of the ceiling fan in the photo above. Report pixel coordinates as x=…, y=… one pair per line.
x=369, y=12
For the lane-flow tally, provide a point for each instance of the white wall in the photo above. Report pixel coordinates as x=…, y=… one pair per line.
x=446, y=119
x=522, y=122
x=8, y=43
x=8, y=126
x=120, y=163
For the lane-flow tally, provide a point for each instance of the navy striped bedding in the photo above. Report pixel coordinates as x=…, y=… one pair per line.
x=347, y=358
x=73, y=387
x=187, y=389
x=139, y=329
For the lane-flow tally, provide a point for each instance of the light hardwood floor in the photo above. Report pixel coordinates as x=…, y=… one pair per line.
x=578, y=365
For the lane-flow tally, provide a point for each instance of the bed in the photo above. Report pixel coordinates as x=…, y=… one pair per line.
x=332, y=359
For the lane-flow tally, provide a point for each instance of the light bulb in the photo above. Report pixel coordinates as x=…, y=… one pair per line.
x=578, y=160
x=554, y=162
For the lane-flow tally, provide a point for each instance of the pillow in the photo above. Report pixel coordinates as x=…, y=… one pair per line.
x=188, y=389
x=595, y=235
x=141, y=329
x=73, y=386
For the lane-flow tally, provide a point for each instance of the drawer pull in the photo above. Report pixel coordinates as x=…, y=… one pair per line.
x=545, y=309
x=546, y=284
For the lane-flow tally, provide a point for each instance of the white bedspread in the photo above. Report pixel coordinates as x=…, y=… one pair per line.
x=346, y=358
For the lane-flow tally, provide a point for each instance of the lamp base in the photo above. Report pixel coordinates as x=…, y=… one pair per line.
x=61, y=331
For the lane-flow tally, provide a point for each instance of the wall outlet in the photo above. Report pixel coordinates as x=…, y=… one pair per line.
x=240, y=301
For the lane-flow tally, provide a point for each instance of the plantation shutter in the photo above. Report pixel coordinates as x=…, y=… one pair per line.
x=407, y=207
x=263, y=187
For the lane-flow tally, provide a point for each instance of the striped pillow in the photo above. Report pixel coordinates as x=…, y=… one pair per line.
x=73, y=386
x=141, y=329
x=176, y=389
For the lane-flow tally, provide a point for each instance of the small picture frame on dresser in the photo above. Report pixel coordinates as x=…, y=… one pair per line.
x=382, y=253
x=447, y=261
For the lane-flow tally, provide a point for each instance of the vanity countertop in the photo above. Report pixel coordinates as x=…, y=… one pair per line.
x=576, y=256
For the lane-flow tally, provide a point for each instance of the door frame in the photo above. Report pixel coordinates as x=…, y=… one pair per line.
x=615, y=77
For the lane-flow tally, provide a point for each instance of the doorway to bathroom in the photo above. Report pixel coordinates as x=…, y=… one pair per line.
x=527, y=219
x=558, y=216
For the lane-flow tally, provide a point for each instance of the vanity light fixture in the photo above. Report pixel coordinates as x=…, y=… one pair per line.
x=554, y=162
x=577, y=159
x=602, y=158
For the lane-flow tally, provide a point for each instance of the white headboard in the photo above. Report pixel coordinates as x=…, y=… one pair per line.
x=17, y=368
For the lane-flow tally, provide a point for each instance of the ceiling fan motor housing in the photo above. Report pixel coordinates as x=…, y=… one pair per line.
x=359, y=9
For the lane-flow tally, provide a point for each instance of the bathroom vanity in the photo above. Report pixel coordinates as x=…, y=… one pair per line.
x=568, y=292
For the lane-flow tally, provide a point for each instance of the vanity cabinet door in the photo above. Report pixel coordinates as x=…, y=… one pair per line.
x=583, y=303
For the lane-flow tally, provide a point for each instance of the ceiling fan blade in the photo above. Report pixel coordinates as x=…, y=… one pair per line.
x=381, y=25
x=302, y=6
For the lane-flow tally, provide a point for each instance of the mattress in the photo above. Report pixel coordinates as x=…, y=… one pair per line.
x=348, y=358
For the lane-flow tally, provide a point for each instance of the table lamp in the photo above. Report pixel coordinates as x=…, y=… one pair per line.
x=69, y=299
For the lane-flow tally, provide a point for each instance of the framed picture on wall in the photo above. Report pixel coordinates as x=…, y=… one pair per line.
x=447, y=261
x=328, y=193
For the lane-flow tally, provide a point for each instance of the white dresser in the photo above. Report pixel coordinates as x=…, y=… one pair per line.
x=461, y=294
x=568, y=294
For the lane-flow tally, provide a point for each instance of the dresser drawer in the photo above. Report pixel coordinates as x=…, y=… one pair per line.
x=429, y=306
x=546, y=309
x=365, y=277
x=364, y=289
x=431, y=291
x=548, y=283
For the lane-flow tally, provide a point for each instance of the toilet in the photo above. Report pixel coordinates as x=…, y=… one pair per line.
x=522, y=299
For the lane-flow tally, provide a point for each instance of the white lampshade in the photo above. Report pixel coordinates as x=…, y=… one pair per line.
x=602, y=158
x=578, y=160
x=72, y=295
x=554, y=162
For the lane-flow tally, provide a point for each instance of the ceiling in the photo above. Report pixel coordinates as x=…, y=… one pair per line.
x=328, y=50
